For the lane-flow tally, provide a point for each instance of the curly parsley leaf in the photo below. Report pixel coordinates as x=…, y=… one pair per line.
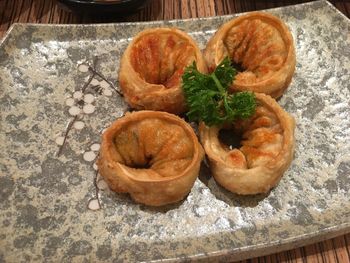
x=208, y=98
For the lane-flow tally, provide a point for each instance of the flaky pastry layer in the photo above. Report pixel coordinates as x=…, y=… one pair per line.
x=151, y=69
x=154, y=156
x=263, y=47
x=266, y=150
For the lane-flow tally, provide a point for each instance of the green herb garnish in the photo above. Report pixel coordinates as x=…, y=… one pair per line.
x=208, y=98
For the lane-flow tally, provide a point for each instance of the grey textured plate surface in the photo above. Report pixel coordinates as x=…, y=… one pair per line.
x=44, y=213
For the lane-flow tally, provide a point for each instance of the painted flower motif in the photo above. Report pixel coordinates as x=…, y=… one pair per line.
x=91, y=155
x=81, y=103
x=99, y=183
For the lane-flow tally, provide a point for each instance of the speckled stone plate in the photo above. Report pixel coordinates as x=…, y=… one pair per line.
x=58, y=91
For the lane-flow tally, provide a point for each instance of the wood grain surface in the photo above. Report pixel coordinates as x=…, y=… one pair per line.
x=48, y=11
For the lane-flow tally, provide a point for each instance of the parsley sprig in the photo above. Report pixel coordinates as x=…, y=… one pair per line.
x=208, y=98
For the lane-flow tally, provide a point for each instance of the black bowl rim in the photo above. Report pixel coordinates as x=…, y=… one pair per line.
x=92, y=2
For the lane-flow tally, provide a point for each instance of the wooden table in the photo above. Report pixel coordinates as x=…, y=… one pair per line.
x=47, y=11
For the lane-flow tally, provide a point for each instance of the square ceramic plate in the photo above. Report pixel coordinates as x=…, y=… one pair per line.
x=44, y=214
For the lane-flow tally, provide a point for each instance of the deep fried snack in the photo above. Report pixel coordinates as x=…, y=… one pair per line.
x=266, y=150
x=153, y=156
x=151, y=69
x=262, y=45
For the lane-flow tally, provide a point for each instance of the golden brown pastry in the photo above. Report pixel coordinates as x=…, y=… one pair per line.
x=263, y=47
x=153, y=156
x=266, y=150
x=151, y=69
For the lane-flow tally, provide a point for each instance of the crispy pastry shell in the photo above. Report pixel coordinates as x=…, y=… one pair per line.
x=154, y=156
x=266, y=152
x=151, y=69
x=262, y=45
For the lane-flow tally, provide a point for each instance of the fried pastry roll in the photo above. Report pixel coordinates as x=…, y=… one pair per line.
x=262, y=45
x=151, y=69
x=265, y=152
x=154, y=156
